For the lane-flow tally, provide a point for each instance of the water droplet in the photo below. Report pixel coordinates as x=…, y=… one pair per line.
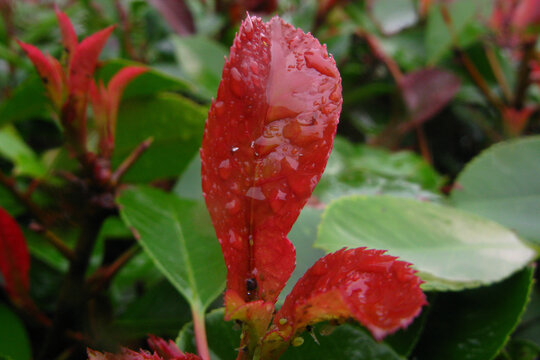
x=256, y=193
x=224, y=169
x=277, y=201
x=297, y=341
x=220, y=108
x=282, y=321
x=234, y=149
x=237, y=85
x=317, y=62
x=334, y=96
x=328, y=109
x=254, y=67
x=248, y=27
x=233, y=206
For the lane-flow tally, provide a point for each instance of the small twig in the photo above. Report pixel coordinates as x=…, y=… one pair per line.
x=102, y=277
x=391, y=65
x=475, y=75
x=36, y=211
x=130, y=160
x=498, y=72
x=524, y=70
x=478, y=80
x=53, y=240
x=422, y=143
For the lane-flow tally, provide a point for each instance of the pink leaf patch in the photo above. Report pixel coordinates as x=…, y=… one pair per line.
x=426, y=92
x=266, y=143
x=382, y=293
x=14, y=258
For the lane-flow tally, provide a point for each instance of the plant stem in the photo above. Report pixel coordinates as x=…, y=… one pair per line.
x=31, y=206
x=524, y=69
x=102, y=277
x=71, y=306
x=130, y=160
x=199, y=329
x=53, y=240
x=498, y=72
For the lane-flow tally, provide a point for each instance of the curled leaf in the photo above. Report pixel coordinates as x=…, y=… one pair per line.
x=266, y=143
x=14, y=258
x=382, y=293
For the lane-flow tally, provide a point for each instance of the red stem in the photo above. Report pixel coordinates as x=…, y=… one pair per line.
x=199, y=329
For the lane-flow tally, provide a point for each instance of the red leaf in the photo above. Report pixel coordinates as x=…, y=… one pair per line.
x=527, y=14
x=177, y=14
x=167, y=350
x=84, y=60
x=69, y=37
x=49, y=70
x=382, y=293
x=163, y=350
x=105, y=103
x=266, y=143
x=14, y=258
x=426, y=92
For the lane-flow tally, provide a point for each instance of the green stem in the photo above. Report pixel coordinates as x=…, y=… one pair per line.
x=199, y=329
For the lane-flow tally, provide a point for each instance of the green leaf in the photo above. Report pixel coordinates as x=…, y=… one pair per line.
x=303, y=235
x=28, y=100
x=9, y=202
x=452, y=249
x=475, y=324
x=360, y=169
x=175, y=123
x=503, y=184
x=201, y=61
x=189, y=185
x=13, y=148
x=160, y=310
x=14, y=342
x=463, y=15
x=179, y=237
x=345, y=342
x=394, y=15
x=149, y=83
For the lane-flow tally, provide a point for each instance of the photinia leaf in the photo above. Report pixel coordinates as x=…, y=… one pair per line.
x=84, y=60
x=426, y=92
x=69, y=37
x=163, y=350
x=266, y=143
x=527, y=14
x=382, y=293
x=105, y=103
x=14, y=258
x=49, y=71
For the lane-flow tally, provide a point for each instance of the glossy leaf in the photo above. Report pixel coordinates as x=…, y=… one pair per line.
x=84, y=61
x=150, y=83
x=176, y=125
x=425, y=93
x=14, y=341
x=475, y=323
x=503, y=184
x=14, y=258
x=201, y=62
x=366, y=170
x=450, y=248
x=13, y=148
x=267, y=139
x=343, y=342
x=177, y=236
x=379, y=291
x=69, y=37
